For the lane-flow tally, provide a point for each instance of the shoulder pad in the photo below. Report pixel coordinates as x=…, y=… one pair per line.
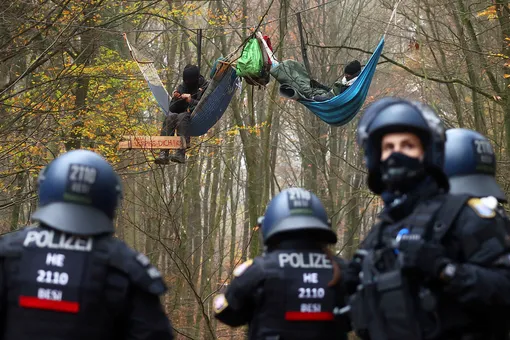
x=242, y=268
x=138, y=268
x=219, y=303
x=484, y=207
x=11, y=243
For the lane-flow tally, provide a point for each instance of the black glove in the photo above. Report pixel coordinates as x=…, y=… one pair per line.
x=428, y=258
x=351, y=276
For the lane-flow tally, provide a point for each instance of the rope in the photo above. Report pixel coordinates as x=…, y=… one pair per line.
x=393, y=14
x=230, y=57
x=255, y=29
x=260, y=24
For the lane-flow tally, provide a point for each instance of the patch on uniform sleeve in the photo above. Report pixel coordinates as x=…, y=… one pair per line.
x=484, y=207
x=219, y=303
x=242, y=268
x=142, y=259
x=152, y=271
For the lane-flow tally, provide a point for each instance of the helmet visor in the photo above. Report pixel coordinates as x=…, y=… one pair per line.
x=301, y=223
x=74, y=218
x=478, y=185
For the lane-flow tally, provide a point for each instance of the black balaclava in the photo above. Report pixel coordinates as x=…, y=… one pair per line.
x=400, y=173
x=190, y=76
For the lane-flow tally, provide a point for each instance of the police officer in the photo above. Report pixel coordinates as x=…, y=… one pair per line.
x=67, y=277
x=470, y=164
x=293, y=290
x=434, y=266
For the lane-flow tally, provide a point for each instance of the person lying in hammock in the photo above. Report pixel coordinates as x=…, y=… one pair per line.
x=184, y=100
x=295, y=82
x=351, y=73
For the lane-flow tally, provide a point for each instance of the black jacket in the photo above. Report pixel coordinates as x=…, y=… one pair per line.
x=180, y=105
x=59, y=286
x=477, y=300
x=284, y=295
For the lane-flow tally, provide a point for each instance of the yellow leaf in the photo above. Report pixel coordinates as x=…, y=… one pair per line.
x=506, y=75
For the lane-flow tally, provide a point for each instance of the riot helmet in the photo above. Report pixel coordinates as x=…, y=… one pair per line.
x=296, y=211
x=79, y=192
x=470, y=164
x=395, y=115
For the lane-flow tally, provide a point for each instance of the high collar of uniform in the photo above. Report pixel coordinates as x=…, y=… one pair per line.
x=295, y=244
x=398, y=206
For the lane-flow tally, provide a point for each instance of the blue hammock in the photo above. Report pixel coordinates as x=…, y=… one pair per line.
x=342, y=108
x=215, y=100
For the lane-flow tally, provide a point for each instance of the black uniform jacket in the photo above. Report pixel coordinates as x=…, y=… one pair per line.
x=285, y=295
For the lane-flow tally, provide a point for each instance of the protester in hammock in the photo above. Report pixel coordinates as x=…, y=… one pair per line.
x=184, y=100
x=295, y=82
x=351, y=73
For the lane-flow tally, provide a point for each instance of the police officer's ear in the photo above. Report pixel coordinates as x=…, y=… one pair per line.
x=41, y=177
x=261, y=238
x=119, y=191
x=259, y=221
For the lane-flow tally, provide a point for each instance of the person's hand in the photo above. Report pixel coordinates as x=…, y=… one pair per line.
x=176, y=94
x=427, y=257
x=186, y=96
x=351, y=276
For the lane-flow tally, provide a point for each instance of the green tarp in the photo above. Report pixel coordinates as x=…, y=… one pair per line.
x=251, y=62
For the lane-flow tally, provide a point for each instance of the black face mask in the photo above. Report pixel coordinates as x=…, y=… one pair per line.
x=401, y=173
x=191, y=87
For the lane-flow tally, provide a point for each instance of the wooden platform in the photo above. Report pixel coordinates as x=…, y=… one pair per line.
x=152, y=142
